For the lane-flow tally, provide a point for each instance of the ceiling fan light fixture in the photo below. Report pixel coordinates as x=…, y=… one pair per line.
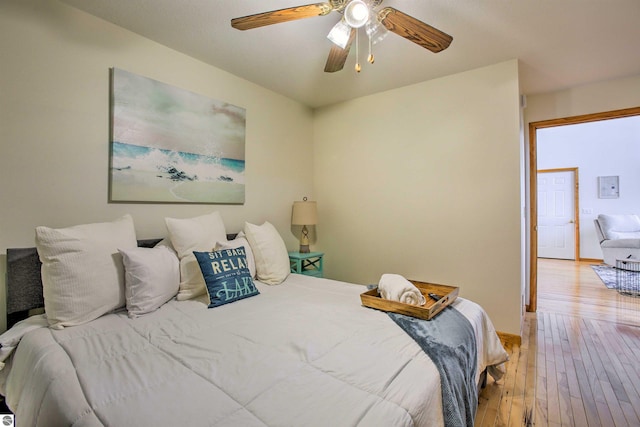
x=340, y=34
x=376, y=31
x=356, y=14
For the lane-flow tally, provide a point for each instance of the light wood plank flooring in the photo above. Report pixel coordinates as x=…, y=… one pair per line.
x=579, y=360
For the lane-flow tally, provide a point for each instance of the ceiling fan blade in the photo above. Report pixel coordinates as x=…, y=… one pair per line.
x=282, y=15
x=338, y=56
x=414, y=30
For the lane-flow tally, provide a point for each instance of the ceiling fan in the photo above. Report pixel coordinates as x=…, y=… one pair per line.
x=356, y=14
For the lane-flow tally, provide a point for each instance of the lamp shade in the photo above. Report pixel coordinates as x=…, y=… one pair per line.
x=304, y=213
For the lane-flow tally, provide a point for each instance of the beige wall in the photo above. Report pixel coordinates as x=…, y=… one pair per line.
x=586, y=99
x=54, y=122
x=425, y=181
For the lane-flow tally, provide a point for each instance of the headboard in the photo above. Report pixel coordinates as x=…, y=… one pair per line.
x=24, y=282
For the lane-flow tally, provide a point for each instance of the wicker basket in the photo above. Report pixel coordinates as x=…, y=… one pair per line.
x=628, y=277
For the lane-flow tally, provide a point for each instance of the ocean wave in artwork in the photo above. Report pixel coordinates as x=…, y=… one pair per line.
x=176, y=165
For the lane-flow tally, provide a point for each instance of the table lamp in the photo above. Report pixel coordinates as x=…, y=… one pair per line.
x=304, y=213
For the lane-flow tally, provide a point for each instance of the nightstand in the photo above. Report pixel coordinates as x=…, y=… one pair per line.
x=309, y=264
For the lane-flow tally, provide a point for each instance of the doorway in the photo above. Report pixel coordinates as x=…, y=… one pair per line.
x=533, y=185
x=558, y=219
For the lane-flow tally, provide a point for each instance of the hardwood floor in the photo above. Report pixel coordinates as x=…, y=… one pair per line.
x=579, y=360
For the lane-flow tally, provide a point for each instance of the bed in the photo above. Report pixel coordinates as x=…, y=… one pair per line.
x=304, y=352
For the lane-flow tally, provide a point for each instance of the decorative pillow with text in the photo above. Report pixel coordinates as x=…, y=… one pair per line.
x=226, y=275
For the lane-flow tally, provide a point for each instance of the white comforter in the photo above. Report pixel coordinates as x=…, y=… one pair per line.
x=304, y=353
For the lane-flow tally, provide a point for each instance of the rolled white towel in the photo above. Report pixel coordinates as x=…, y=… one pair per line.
x=396, y=288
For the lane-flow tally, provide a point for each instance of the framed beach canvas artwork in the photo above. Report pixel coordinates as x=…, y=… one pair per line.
x=169, y=145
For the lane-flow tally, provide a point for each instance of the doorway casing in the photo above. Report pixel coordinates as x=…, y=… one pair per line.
x=533, y=185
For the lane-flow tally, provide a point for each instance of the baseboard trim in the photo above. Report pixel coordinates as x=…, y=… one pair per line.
x=509, y=339
x=599, y=261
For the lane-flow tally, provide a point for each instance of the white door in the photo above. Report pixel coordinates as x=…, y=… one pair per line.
x=556, y=215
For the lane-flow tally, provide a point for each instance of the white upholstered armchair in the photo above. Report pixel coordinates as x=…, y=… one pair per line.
x=619, y=237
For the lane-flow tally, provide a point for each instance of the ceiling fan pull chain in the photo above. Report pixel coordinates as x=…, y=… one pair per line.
x=358, y=67
x=371, y=59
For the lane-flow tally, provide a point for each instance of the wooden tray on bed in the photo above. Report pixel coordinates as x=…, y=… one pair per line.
x=448, y=294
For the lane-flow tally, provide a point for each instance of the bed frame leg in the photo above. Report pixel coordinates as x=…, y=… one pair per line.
x=483, y=379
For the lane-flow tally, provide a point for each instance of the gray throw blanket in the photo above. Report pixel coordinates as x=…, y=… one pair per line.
x=449, y=341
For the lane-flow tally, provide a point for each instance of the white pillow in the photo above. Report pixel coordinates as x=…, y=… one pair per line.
x=194, y=234
x=240, y=240
x=152, y=277
x=82, y=270
x=272, y=258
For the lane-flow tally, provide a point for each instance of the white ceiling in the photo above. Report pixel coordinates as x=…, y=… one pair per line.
x=560, y=43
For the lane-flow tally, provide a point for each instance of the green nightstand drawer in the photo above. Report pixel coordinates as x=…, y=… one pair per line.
x=309, y=264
